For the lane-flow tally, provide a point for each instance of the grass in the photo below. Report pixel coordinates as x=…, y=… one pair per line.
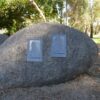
x=96, y=40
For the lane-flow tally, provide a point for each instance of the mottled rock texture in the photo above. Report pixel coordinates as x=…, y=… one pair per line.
x=95, y=69
x=15, y=71
x=3, y=38
x=82, y=88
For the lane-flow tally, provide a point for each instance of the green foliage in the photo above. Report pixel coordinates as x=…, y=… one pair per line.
x=16, y=14
x=77, y=13
x=7, y=15
x=96, y=40
x=80, y=14
x=48, y=7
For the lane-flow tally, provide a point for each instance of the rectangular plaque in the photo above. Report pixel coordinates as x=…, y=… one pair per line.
x=34, y=50
x=58, y=45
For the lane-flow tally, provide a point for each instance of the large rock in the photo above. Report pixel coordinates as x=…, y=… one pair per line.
x=3, y=38
x=16, y=71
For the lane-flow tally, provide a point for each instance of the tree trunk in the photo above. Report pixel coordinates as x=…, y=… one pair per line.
x=91, y=30
x=61, y=15
x=38, y=9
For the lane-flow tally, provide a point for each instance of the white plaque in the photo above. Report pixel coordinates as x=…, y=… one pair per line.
x=34, y=50
x=58, y=45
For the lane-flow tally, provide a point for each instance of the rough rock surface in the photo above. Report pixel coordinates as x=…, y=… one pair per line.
x=95, y=69
x=3, y=38
x=15, y=71
x=82, y=88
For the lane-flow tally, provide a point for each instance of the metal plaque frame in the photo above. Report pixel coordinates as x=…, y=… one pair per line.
x=34, y=52
x=58, y=45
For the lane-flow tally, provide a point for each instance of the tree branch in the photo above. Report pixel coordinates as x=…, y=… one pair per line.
x=38, y=9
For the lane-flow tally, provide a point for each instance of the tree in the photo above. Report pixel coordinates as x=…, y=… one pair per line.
x=80, y=16
x=16, y=14
x=38, y=9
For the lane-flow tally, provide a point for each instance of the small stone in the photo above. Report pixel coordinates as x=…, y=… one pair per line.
x=3, y=38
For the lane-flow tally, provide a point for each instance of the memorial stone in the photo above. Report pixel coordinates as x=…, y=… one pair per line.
x=62, y=54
